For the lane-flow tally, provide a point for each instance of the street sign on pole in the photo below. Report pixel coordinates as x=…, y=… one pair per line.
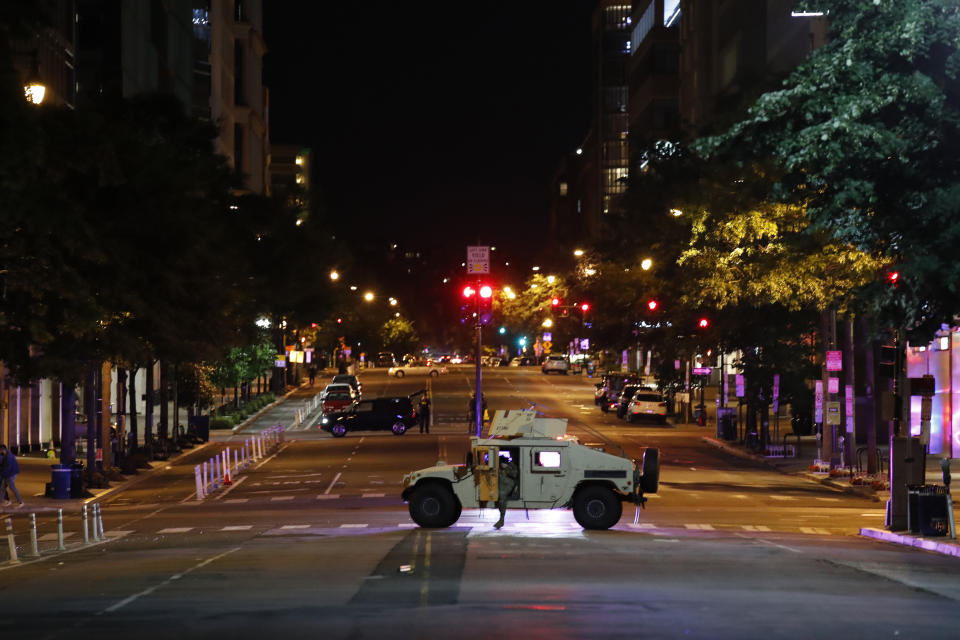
x=834, y=360
x=478, y=260
x=818, y=401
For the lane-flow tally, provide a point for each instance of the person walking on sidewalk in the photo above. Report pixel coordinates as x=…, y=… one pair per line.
x=9, y=468
x=424, y=414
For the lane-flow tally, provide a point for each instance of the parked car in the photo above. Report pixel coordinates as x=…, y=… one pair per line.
x=555, y=364
x=385, y=359
x=397, y=413
x=353, y=381
x=416, y=368
x=647, y=404
x=337, y=402
x=609, y=386
x=339, y=387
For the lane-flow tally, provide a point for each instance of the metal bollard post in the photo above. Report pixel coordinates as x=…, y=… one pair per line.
x=196, y=475
x=205, y=483
x=236, y=461
x=13, y=544
x=34, y=549
x=60, y=545
x=86, y=535
x=93, y=522
x=103, y=535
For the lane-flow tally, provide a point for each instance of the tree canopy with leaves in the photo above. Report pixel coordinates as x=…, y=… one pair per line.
x=866, y=132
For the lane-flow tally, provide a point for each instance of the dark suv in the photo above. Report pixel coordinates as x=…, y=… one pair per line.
x=395, y=413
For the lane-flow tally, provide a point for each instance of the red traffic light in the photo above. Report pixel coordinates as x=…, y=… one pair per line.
x=585, y=307
x=468, y=291
x=486, y=291
x=652, y=305
x=339, y=320
x=703, y=323
x=555, y=301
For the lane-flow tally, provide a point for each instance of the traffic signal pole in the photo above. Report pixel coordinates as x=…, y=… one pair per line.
x=478, y=404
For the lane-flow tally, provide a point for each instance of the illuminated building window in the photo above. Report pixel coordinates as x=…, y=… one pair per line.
x=299, y=161
x=563, y=188
x=643, y=26
x=616, y=17
x=671, y=12
x=299, y=179
x=614, y=180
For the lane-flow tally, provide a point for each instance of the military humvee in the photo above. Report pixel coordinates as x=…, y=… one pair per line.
x=555, y=471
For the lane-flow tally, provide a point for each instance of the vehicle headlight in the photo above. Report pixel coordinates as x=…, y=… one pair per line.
x=325, y=420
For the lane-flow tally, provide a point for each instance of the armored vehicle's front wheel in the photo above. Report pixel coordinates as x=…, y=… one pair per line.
x=596, y=507
x=338, y=430
x=434, y=506
x=398, y=428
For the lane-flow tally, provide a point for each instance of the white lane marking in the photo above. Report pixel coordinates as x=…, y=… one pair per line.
x=328, y=496
x=642, y=525
x=772, y=544
x=353, y=526
x=335, y=478
x=739, y=496
x=237, y=500
x=295, y=526
x=177, y=576
x=666, y=540
x=874, y=515
x=281, y=498
x=756, y=527
x=175, y=530
x=829, y=499
x=233, y=486
x=374, y=495
x=699, y=527
x=783, y=498
x=237, y=527
x=407, y=525
x=115, y=534
x=48, y=537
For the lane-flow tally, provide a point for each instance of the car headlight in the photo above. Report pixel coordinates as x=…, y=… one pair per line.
x=325, y=420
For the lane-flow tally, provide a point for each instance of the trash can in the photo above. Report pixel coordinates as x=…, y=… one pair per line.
x=76, y=480
x=60, y=481
x=927, y=510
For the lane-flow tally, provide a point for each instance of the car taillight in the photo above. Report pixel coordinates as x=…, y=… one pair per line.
x=662, y=404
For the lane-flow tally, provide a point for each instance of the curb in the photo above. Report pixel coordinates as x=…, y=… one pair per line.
x=827, y=481
x=945, y=548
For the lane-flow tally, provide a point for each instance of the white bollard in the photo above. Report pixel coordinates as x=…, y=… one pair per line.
x=205, y=483
x=60, y=545
x=13, y=544
x=34, y=549
x=93, y=522
x=236, y=461
x=196, y=474
x=86, y=534
x=103, y=535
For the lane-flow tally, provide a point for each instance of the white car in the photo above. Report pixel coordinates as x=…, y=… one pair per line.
x=647, y=404
x=558, y=364
x=416, y=368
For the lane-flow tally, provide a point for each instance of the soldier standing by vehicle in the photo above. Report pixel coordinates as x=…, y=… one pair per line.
x=423, y=413
x=507, y=476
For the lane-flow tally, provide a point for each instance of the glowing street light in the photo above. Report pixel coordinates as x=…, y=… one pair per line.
x=334, y=275
x=646, y=263
x=676, y=213
x=548, y=323
x=578, y=252
x=551, y=279
x=368, y=296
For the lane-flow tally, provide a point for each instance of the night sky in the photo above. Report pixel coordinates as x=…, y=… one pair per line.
x=431, y=121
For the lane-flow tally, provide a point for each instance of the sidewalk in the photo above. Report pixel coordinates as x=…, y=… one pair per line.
x=801, y=467
x=35, y=473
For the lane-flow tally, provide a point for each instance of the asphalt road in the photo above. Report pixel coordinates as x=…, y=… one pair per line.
x=314, y=542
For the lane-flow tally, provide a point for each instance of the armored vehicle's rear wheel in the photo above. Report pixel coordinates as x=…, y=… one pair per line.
x=434, y=506
x=596, y=507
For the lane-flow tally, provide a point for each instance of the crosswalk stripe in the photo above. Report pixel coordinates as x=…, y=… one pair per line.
x=783, y=497
x=374, y=495
x=829, y=499
x=237, y=527
x=815, y=531
x=281, y=498
x=295, y=526
x=48, y=537
x=353, y=526
x=642, y=525
x=407, y=525
x=739, y=496
x=117, y=534
x=700, y=527
x=328, y=496
x=237, y=500
x=176, y=530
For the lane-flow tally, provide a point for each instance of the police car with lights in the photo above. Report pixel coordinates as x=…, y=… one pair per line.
x=555, y=471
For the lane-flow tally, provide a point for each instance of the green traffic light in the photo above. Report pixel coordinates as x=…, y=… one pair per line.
x=503, y=330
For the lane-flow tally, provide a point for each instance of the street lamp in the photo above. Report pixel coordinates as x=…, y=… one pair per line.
x=368, y=296
x=334, y=275
x=646, y=263
x=578, y=252
x=676, y=213
x=33, y=89
x=548, y=323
